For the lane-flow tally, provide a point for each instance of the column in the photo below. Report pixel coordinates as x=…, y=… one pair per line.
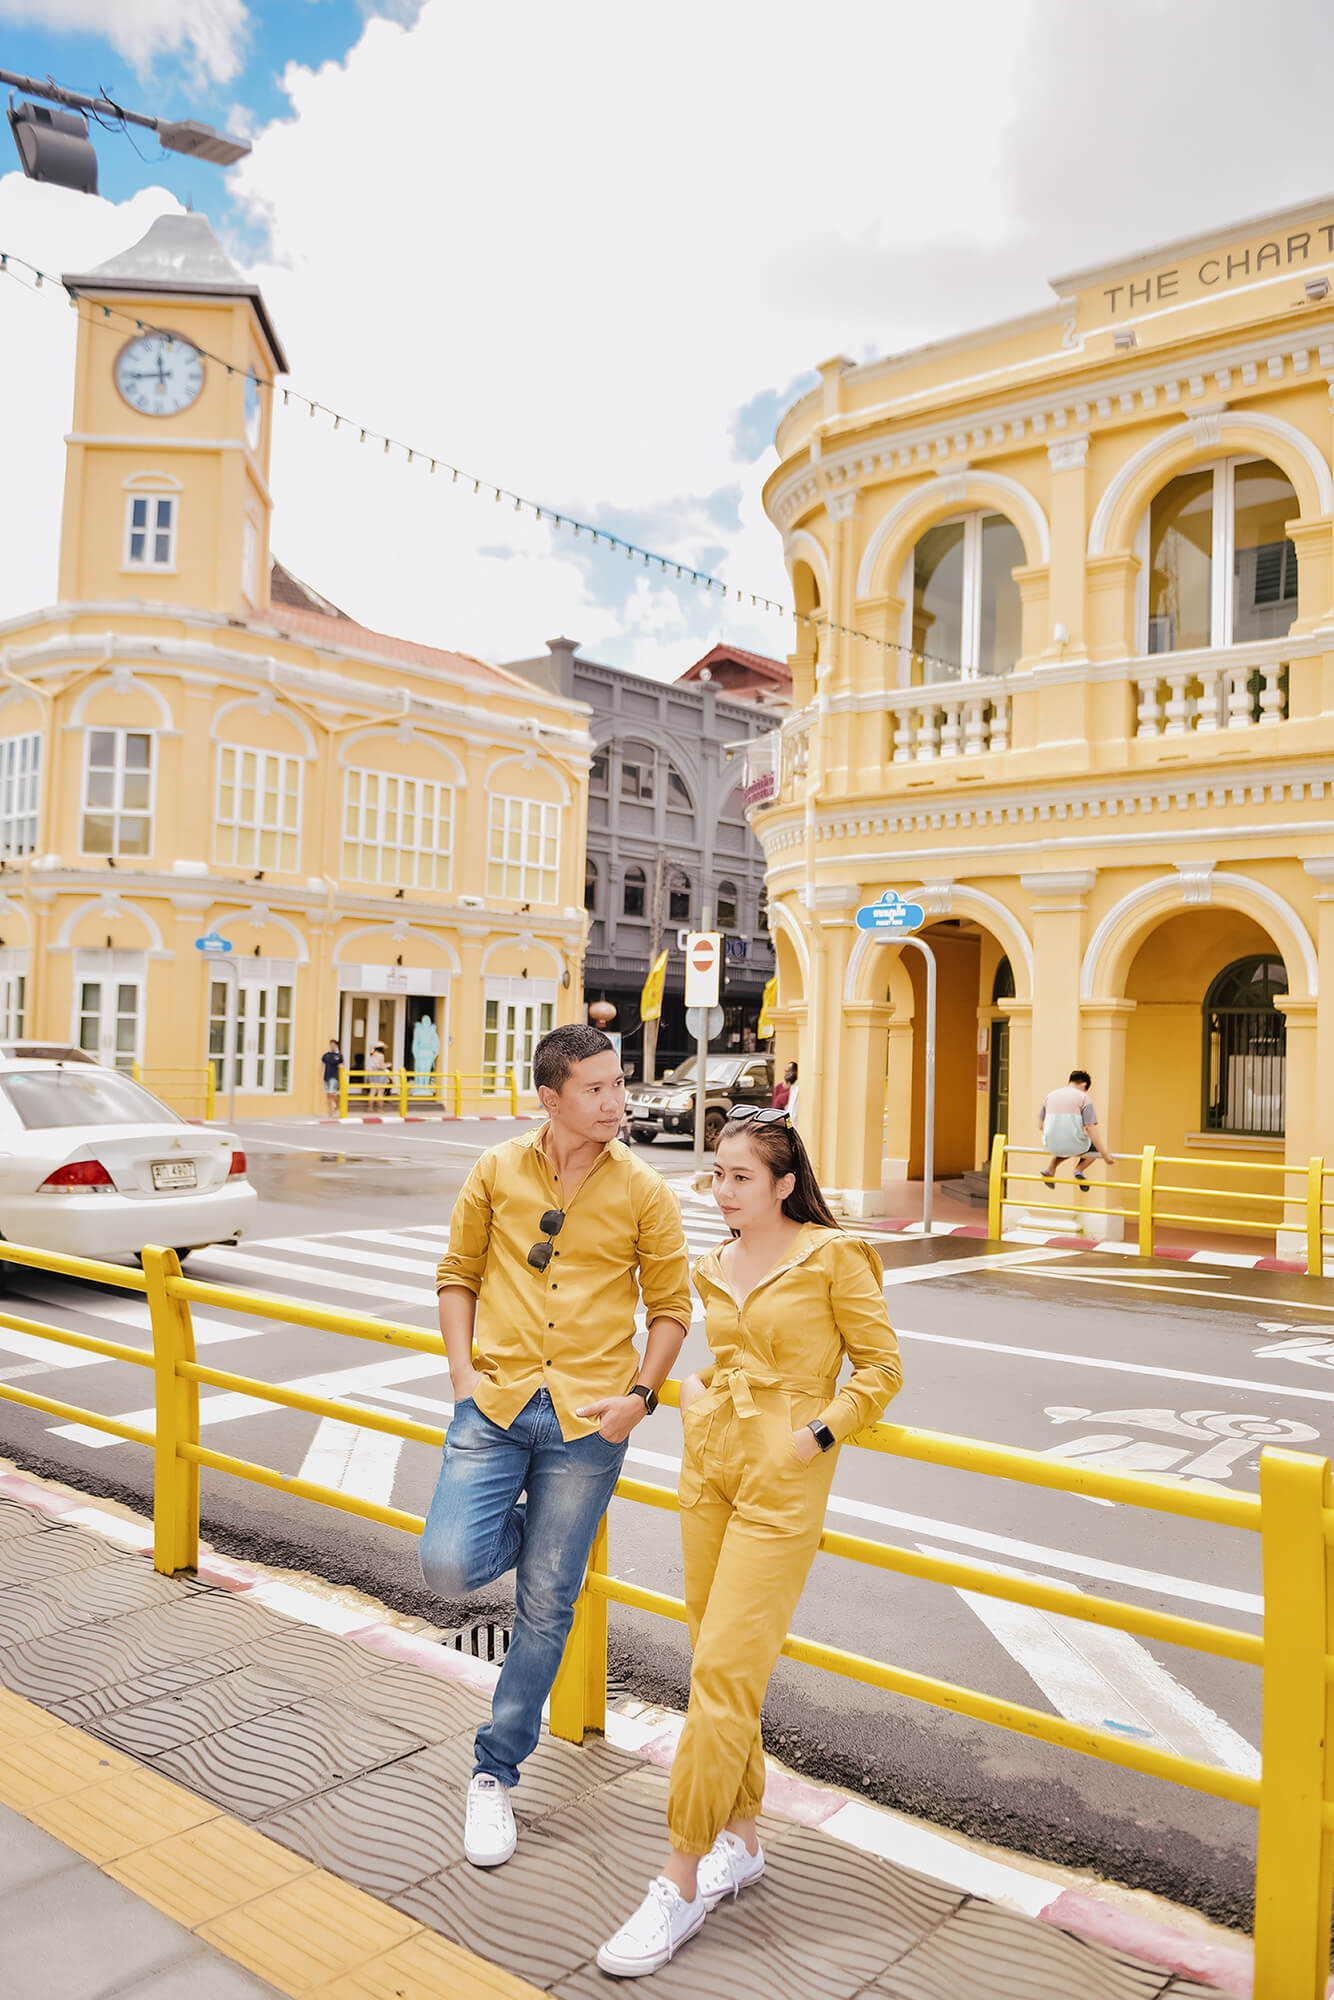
x=877, y=672
x=1068, y=460
x=859, y=1152
x=1103, y=1043
x=1306, y=1116
x=831, y=930
x=180, y=1038
x=42, y=1017
x=1057, y=905
x=838, y=668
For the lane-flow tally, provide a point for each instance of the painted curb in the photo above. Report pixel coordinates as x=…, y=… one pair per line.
x=652, y=1737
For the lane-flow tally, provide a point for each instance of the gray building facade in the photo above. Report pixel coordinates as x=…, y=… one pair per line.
x=667, y=836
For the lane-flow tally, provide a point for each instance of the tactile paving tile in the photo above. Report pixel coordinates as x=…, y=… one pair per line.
x=1009, y=1957
x=428, y=1968
x=308, y=1933
x=60, y=1667
x=318, y=1660
x=211, y=1868
x=432, y=1707
x=16, y=1521
x=38, y=1558
x=541, y=1916
x=203, y=1709
x=628, y=1821
x=81, y=1597
x=271, y=1761
x=90, y=1709
x=388, y=1829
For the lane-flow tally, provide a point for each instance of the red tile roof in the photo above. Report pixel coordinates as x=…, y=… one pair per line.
x=300, y=612
x=776, y=672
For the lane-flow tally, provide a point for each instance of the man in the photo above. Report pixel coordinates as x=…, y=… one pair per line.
x=1069, y=1126
x=545, y=1243
x=332, y=1062
x=784, y=1087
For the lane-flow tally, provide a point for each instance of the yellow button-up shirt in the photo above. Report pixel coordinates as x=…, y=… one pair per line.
x=824, y=1300
x=568, y=1329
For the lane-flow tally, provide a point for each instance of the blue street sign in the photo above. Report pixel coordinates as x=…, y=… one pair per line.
x=891, y=913
x=213, y=941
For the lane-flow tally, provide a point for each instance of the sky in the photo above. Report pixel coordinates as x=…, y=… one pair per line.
x=592, y=252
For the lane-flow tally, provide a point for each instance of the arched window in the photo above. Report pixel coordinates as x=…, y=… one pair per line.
x=590, y=885
x=1245, y=1049
x=962, y=599
x=638, y=771
x=727, y=906
x=1217, y=568
x=678, y=897
x=1002, y=986
x=632, y=900
x=597, y=775
x=677, y=793
x=762, y=913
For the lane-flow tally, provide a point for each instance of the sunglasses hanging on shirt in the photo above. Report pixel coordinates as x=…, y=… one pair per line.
x=553, y=1221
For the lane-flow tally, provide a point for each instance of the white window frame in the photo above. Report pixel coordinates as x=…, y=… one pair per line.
x=20, y=792
x=516, y=1013
x=250, y=1016
x=970, y=608
x=1222, y=551
x=110, y=969
x=399, y=864
x=517, y=882
x=253, y=830
x=151, y=496
x=116, y=809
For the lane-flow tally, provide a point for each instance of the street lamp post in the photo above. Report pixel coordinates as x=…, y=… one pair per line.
x=54, y=145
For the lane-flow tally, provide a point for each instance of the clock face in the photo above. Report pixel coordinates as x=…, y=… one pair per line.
x=159, y=374
x=254, y=412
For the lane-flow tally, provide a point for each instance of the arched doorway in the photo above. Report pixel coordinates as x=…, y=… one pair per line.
x=998, y=1102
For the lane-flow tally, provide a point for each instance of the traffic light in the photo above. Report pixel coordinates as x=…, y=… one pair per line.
x=54, y=146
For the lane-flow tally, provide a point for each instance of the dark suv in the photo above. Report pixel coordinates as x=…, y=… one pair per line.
x=669, y=1107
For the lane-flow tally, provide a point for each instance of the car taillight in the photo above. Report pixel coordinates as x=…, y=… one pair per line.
x=237, y=1166
x=79, y=1174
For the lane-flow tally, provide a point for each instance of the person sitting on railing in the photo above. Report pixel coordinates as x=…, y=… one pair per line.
x=785, y=1302
x=377, y=1075
x=1069, y=1127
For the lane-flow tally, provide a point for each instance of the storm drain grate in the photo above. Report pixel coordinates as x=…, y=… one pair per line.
x=488, y=1641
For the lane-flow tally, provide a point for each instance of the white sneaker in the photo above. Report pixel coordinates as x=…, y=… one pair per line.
x=728, y=1868
x=488, y=1830
x=658, y=1928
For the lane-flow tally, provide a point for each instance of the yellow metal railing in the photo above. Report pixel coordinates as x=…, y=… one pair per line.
x=1300, y=1202
x=450, y=1087
x=1293, y=1514
x=193, y=1084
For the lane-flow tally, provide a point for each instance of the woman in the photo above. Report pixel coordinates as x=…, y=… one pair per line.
x=785, y=1300
x=377, y=1074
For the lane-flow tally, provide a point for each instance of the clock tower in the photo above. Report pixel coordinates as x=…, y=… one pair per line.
x=166, y=480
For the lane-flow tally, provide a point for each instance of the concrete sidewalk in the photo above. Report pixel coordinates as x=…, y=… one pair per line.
x=269, y=1806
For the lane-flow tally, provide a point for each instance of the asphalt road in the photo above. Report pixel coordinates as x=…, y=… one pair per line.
x=1180, y=1369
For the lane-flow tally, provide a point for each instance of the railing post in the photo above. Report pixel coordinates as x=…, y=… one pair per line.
x=176, y=1399
x=514, y=1090
x=342, y=1091
x=137, y=1070
x=210, y=1093
x=1315, y=1216
x=996, y=1189
x=579, y=1692
x=458, y=1092
x=402, y=1093
x=1147, y=1169
x=1293, y=1864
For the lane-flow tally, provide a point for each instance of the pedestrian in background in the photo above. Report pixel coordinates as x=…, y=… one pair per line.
x=784, y=1087
x=332, y=1062
x=552, y=1240
x=1070, y=1129
x=377, y=1074
x=786, y=1300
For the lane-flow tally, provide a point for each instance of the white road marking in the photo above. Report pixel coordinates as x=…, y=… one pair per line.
x=917, y=1274
x=353, y=1460
x=1188, y=1291
x=229, y=1261
x=1051, y=1356
x=370, y=1264
x=1103, y=1679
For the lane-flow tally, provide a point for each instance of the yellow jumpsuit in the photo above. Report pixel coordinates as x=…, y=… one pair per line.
x=751, y=1511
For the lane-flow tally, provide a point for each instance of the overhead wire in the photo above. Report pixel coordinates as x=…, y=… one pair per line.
x=674, y=568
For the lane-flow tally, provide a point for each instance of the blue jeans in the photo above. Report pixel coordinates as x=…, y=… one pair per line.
x=478, y=1527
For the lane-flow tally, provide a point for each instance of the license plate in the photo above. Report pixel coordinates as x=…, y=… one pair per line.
x=174, y=1174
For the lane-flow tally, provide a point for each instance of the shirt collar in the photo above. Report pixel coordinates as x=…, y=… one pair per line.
x=811, y=1238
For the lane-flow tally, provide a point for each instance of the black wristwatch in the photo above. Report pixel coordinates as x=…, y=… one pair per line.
x=650, y=1396
x=824, y=1437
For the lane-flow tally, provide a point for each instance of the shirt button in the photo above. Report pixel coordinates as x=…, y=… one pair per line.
x=547, y=1364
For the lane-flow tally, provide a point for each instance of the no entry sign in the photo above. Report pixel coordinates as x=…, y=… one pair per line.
x=704, y=953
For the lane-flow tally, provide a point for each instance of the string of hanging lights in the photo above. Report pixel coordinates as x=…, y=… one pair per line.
x=30, y=278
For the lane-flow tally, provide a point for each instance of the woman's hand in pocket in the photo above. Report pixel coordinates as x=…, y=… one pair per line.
x=804, y=1445
x=691, y=1391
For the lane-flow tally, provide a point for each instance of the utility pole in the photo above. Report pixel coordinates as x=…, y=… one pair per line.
x=655, y=946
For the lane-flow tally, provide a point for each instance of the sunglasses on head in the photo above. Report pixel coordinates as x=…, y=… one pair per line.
x=553, y=1221
x=757, y=1114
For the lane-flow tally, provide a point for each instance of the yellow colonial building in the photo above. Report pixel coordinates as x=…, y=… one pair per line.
x=390, y=836
x=1065, y=676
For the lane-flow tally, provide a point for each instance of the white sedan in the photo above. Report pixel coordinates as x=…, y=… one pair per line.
x=94, y=1165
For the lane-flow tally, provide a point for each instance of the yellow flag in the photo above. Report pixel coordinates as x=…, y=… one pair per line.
x=767, y=1005
x=650, y=1000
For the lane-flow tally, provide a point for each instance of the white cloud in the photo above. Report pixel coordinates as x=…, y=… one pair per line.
x=210, y=33
x=569, y=249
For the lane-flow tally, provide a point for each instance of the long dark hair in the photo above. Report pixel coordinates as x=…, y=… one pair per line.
x=781, y=1149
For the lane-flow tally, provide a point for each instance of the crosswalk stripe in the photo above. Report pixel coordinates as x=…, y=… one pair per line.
x=353, y=1460
x=363, y=1259
x=228, y=1261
